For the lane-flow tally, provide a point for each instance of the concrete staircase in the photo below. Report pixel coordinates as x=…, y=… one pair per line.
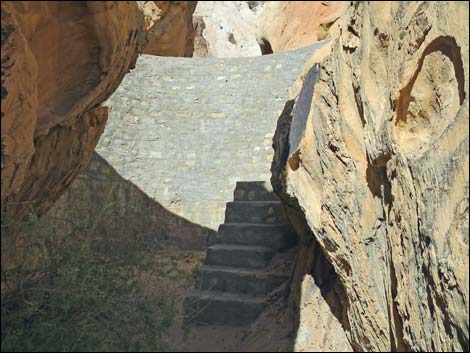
x=232, y=287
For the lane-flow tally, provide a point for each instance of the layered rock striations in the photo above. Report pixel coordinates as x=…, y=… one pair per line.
x=289, y=25
x=251, y=28
x=60, y=61
x=373, y=152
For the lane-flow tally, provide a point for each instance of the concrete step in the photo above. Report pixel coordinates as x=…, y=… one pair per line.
x=216, y=308
x=268, y=212
x=254, y=191
x=244, y=256
x=239, y=280
x=276, y=236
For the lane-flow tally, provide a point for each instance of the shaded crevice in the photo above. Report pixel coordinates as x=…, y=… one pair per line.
x=397, y=342
x=265, y=47
x=322, y=271
x=311, y=259
x=377, y=179
x=281, y=146
x=231, y=38
x=359, y=104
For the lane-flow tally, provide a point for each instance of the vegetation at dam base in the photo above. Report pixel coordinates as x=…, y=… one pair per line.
x=92, y=294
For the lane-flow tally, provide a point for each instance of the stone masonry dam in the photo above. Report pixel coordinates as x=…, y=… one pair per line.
x=184, y=131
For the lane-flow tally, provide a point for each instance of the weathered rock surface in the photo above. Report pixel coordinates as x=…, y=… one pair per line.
x=60, y=60
x=251, y=28
x=292, y=24
x=374, y=154
x=170, y=27
x=225, y=29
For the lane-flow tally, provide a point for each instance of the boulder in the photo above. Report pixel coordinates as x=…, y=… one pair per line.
x=60, y=61
x=371, y=160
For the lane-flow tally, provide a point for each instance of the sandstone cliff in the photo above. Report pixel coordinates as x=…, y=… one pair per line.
x=60, y=60
x=374, y=155
x=170, y=27
x=292, y=24
x=251, y=28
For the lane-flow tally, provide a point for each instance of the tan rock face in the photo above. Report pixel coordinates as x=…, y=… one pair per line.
x=374, y=154
x=294, y=24
x=60, y=60
x=171, y=31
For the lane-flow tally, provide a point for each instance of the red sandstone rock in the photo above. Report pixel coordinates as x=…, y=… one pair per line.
x=293, y=24
x=171, y=31
x=60, y=61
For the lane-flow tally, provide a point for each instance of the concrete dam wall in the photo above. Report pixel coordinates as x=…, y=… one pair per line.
x=183, y=131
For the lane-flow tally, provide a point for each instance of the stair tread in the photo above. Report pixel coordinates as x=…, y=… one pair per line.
x=240, y=270
x=260, y=202
x=229, y=246
x=227, y=296
x=260, y=225
x=234, y=283
x=252, y=182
